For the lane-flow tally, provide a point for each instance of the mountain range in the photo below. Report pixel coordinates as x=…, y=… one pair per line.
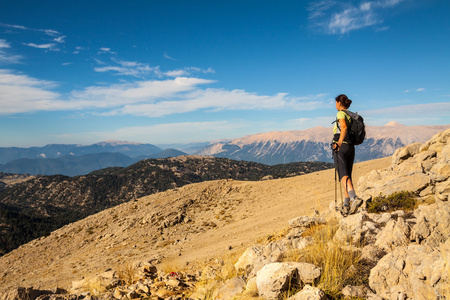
x=271, y=148
x=129, y=149
x=73, y=165
x=314, y=144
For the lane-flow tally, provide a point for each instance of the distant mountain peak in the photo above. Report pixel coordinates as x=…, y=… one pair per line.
x=394, y=124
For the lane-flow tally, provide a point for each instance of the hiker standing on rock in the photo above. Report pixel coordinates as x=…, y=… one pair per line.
x=344, y=154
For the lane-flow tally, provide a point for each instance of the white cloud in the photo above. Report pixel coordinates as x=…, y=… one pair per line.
x=59, y=39
x=105, y=50
x=50, y=46
x=188, y=71
x=415, y=90
x=138, y=92
x=340, y=17
x=6, y=57
x=4, y=44
x=213, y=100
x=129, y=68
x=57, y=36
x=29, y=94
x=151, y=98
x=176, y=73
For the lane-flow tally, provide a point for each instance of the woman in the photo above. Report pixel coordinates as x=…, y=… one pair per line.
x=344, y=154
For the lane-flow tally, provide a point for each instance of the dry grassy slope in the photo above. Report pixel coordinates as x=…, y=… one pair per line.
x=215, y=215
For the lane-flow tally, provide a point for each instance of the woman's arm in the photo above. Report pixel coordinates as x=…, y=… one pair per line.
x=343, y=126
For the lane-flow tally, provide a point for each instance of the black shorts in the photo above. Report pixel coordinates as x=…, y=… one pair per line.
x=343, y=160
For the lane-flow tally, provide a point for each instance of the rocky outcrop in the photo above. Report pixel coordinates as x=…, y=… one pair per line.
x=422, y=168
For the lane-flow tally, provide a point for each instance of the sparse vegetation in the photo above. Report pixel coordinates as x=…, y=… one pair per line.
x=127, y=274
x=339, y=265
x=404, y=200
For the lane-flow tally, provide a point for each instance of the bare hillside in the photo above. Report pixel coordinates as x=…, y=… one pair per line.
x=179, y=226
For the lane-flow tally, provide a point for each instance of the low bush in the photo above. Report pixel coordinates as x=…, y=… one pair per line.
x=404, y=200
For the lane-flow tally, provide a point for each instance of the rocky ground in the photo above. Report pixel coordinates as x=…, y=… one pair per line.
x=187, y=227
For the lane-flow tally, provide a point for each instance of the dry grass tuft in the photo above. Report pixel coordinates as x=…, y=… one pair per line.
x=339, y=266
x=127, y=273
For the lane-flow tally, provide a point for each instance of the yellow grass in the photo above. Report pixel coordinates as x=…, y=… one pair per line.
x=337, y=264
x=127, y=273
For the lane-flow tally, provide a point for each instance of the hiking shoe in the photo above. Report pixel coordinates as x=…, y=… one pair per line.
x=355, y=204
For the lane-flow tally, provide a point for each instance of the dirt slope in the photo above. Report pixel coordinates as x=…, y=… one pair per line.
x=179, y=227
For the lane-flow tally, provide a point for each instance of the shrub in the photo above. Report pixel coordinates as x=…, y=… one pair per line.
x=404, y=200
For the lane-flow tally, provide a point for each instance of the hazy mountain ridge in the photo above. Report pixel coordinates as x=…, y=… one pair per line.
x=314, y=144
x=72, y=165
x=8, y=154
x=58, y=200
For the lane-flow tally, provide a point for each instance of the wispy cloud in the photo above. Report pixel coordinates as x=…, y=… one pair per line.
x=5, y=57
x=105, y=50
x=56, y=38
x=50, y=47
x=128, y=68
x=142, y=70
x=340, y=17
x=415, y=90
x=188, y=71
x=168, y=56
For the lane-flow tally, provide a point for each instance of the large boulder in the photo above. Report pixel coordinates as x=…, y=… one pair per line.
x=406, y=152
x=276, y=278
x=251, y=261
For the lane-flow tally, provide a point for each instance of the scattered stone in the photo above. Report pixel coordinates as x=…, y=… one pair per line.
x=310, y=293
x=355, y=291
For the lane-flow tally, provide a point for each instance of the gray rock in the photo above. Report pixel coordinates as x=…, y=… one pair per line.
x=354, y=291
x=276, y=278
x=251, y=261
x=395, y=234
x=416, y=271
x=230, y=289
x=406, y=152
x=305, y=221
x=309, y=293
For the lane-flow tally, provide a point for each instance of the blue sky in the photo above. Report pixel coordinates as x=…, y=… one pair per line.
x=168, y=71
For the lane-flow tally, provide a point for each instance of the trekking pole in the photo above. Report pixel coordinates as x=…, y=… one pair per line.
x=336, y=176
